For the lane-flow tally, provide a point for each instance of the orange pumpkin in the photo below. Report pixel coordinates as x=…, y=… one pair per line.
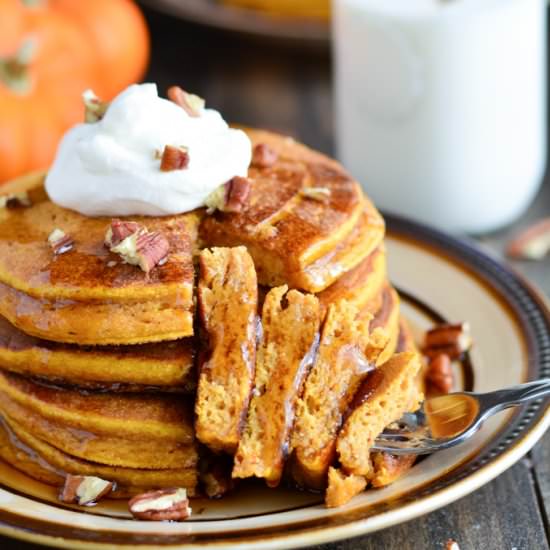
x=51, y=54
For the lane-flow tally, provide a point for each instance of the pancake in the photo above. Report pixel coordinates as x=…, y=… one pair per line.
x=83, y=296
x=338, y=370
x=166, y=365
x=383, y=327
x=131, y=416
x=286, y=352
x=44, y=462
x=383, y=397
x=148, y=453
x=360, y=286
x=294, y=239
x=228, y=306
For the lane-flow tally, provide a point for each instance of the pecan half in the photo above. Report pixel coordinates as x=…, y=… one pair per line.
x=174, y=158
x=14, y=200
x=85, y=490
x=232, y=196
x=452, y=340
x=60, y=241
x=440, y=373
x=94, y=108
x=315, y=193
x=237, y=190
x=143, y=248
x=161, y=505
x=192, y=104
x=118, y=231
x=531, y=244
x=263, y=156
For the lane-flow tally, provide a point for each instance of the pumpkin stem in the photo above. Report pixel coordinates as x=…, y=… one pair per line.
x=32, y=3
x=14, y=71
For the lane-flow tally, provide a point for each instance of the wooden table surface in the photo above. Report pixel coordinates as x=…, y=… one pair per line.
x=284, y=88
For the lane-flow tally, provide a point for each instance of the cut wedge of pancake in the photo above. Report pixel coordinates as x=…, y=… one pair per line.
x=148, y=453
x=165, y=365
x=286, y=352
x=296, y=239
x=228, y=307
x=88, y=295
x=383, y=397
x=42, y=461
x=131, y=416
x=384, y=327
x=338, y=370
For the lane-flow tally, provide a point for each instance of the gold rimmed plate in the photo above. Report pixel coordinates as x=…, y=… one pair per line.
x=440, y=278
x=300, y=30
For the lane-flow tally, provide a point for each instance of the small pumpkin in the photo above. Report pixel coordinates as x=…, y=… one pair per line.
x=54, y=51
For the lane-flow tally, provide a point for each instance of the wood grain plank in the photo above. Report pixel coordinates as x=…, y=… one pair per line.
x=502, y=515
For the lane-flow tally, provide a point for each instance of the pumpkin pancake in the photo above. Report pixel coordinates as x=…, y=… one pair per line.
x=88, y=295
x=163, y=365
x=228, y=306
x=130, y=416
x=361, y=285
x=44, y=462
x=383, y=397
x=285, y=355
x=338, y=370
x=149, y=453
x=296, y=236
x=384, y=326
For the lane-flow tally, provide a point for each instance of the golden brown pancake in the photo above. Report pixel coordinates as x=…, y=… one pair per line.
x=338, y=370
x=82, y=296
x=131, y=416
x=150, y=453
x=383, y=397
x=361, y=286
x=163, y=365
x=285, y=354
x=384, y=327
x=294, y=239
x=44, y=462
x=228, y=306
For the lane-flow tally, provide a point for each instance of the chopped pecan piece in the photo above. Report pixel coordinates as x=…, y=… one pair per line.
x=161, y=505
x=15, y=199
x=263, y=156
x=137, y=246
x=237, y=190
x=532, y=243
x=84, y=490
x=229, y=197
x=453, y=340
x=216, y=481
x=94, y=108
x=60, y=241
x=118, y=231
x=315, y=193
x=440, y=373
x=174, y=158
x=192, y=104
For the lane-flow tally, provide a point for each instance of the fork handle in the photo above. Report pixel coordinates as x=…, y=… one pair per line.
x=516, y=395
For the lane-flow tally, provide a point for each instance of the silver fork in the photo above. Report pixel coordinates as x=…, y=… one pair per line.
x=447, y=420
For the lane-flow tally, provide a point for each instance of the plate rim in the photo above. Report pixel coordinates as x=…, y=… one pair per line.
x=497, y=455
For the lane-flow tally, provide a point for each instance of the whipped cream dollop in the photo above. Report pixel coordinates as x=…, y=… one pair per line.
x=112, y=167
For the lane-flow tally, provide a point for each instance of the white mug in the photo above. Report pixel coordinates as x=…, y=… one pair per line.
x=441, y=106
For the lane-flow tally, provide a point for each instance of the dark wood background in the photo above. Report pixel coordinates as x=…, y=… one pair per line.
x=287, y=88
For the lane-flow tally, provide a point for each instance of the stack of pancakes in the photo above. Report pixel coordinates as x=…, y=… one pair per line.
x=284, y=349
